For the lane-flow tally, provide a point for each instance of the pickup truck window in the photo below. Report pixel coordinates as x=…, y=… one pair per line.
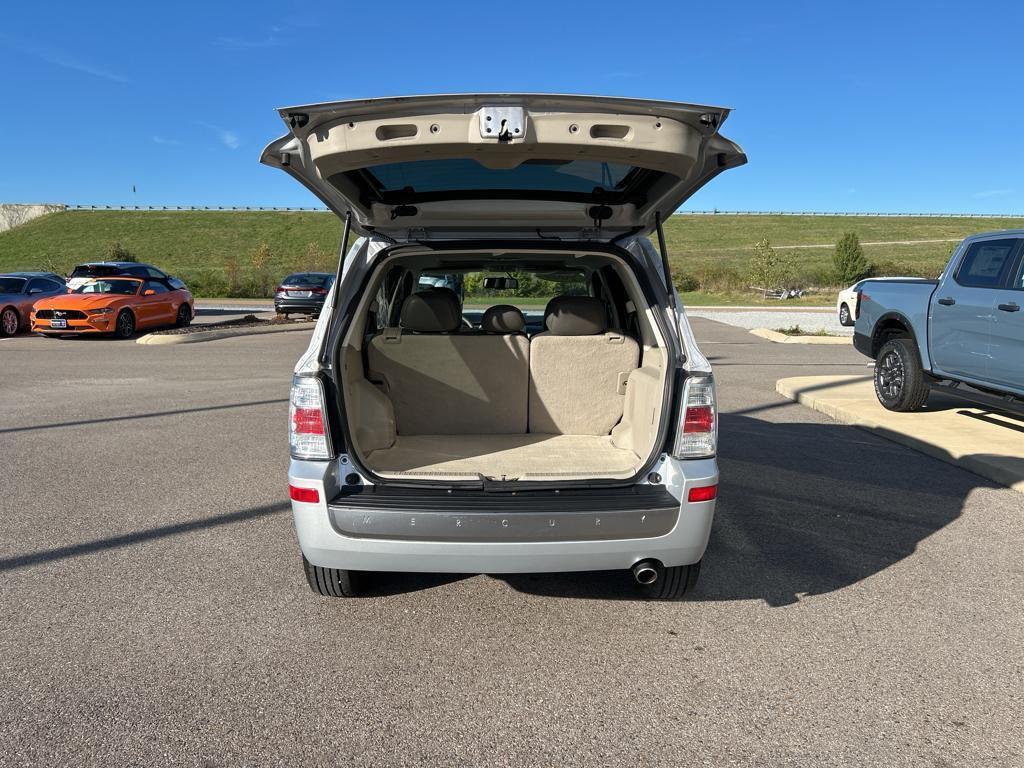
x=986, y=263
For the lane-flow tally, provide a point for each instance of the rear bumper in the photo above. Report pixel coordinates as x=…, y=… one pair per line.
x=310, y=306
x=491, y=535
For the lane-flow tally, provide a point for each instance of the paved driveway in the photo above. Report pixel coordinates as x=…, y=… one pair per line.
x=859, y=604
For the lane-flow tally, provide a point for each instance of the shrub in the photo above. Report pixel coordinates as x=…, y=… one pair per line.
x=261, y=268
x=848, y=262
x=685, y=283
x=769, y=270
x=118, y=252
x=316, y=259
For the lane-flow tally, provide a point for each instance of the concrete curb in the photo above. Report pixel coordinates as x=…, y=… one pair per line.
x=971, y=438
x=781, y=338
x=220, y=333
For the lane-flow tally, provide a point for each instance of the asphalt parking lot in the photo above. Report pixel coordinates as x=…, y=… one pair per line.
x=859, y=602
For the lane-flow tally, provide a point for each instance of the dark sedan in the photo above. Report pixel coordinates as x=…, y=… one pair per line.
x=19, y=291
x=303, y=293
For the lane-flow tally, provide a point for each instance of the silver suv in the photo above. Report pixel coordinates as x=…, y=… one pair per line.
x=555, y=413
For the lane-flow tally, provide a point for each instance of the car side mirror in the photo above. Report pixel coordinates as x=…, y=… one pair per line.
x=149, y=292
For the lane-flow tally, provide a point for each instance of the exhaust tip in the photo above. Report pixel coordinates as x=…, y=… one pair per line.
x=646, y=571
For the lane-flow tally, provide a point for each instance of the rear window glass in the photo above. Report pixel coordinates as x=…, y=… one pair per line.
x=985, y=263
x=318, y=279
x=94, y=270
x=11, y=284
x=571, y=180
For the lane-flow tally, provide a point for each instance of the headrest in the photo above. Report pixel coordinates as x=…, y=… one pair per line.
x=575, y=316
x=435, y=310
x=503, y=318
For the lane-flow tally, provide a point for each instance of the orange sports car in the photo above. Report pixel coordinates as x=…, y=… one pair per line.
x=115, y=305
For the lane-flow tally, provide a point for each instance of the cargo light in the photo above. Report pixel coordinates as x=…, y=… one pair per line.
x=305, y=495
x=707, y=493
x=307, y=433
x=697, y=433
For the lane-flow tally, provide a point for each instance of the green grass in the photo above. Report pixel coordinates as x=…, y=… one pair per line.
x=213, y=250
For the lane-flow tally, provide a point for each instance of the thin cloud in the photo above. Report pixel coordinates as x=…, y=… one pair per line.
x=227, y=137
x=165, y=141
x=65, y=60
x=994, y=193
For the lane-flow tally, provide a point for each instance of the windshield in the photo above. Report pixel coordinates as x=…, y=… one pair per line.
x=121, y=285
x=532, y=290
x=11, y=284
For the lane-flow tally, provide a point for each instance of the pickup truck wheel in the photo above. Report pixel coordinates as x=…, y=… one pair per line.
x=672, y=583
x=844, y=315
x=899, y=381
x=331, y=582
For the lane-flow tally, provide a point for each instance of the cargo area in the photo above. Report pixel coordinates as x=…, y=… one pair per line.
x=571, y=389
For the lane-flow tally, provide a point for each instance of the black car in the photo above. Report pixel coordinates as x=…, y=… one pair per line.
x=89, y=270
x=303, y=293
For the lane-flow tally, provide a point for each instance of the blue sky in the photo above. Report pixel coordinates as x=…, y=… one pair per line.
x=860, y=106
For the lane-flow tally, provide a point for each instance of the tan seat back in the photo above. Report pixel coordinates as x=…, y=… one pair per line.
x=578, y=370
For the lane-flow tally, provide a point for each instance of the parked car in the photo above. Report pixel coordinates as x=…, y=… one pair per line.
x=302, y=293
x=421, y=443
x=84, y=272
x=966, y=328
x=847, y=305
x=113, y=305
x=19, y=291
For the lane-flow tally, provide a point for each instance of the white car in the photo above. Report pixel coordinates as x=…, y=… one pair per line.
x=585, y=440
x=846, y=304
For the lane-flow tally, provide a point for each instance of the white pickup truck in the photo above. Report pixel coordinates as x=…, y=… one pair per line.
x=964, y=331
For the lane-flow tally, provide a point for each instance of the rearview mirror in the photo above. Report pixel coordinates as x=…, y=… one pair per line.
x=501, y=283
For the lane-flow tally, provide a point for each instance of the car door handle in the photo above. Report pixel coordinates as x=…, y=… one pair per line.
x=1010, y=307
x=947, y=302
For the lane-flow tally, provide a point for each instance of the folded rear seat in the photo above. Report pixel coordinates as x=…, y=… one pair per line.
x=442, y=382
x=578, y=369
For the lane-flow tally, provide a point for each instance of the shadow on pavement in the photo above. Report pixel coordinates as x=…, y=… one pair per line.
x=804, y=509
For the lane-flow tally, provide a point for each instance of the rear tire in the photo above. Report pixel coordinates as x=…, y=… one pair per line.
x=9, y=322
x=331, y=582
x=124, y=326
x=844, y=316
x=900, y=384
x=672, y=583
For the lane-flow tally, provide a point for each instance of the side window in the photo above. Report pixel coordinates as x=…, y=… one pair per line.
x=155, y=273
x=986, y=263
x=1017, y=283
x=38, y=285
x=153, y=285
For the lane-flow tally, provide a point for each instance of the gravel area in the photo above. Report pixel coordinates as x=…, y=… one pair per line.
x=774, y=319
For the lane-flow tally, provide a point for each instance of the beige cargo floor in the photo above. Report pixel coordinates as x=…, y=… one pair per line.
x=512, y=456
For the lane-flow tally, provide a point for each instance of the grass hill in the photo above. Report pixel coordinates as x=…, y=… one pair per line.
x=218, y=252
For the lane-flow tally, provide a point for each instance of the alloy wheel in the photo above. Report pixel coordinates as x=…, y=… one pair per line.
x=891, y=375
x=9, y=322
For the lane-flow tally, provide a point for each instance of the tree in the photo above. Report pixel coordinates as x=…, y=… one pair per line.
x=768, y=270
x=260, y=264
x=848, y=262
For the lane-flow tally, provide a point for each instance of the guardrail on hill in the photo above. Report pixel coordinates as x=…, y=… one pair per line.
x=315, y=209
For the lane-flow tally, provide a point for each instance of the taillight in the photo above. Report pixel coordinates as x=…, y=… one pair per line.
x=307, y=433
x=697, y=434
x=318, y=291
x=279, y=289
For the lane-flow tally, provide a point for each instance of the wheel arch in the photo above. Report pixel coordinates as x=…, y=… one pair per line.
x=893, y=325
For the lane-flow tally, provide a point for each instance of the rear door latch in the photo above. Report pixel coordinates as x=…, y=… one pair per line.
x=502, y=123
